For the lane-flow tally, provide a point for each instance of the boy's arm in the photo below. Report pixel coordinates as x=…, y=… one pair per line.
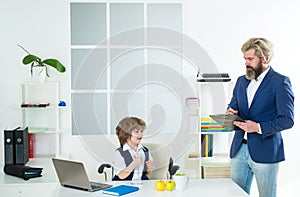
x=127, y=170
x=150, y=166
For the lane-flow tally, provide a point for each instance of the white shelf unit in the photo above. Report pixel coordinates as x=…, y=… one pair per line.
x=207, y=106
x=43, y=122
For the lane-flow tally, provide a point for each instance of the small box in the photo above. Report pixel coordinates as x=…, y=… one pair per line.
x=215, y=171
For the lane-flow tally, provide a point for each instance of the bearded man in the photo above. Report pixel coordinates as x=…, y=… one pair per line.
x=264, y=98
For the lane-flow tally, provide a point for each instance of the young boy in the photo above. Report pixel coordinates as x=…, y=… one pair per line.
x=132, y=161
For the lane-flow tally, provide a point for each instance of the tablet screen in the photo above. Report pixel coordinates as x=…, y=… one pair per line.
x=226, y=120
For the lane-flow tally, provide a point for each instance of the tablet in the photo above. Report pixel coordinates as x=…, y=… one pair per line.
x=226, y=120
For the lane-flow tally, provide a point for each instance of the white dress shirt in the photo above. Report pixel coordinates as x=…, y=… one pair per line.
x=119, y=162
x=251, y=90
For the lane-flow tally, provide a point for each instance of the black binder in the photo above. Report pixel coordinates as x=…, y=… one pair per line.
x=25, y=172
x=16, y=148
x=21, y=146
x=9, y=146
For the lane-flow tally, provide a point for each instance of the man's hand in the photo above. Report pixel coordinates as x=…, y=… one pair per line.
x=231, y=111
x=248, y=126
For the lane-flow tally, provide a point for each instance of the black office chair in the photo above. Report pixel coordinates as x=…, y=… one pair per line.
x=101, y=170
x=172, y=168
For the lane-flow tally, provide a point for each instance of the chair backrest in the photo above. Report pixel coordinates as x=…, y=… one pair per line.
x=161, y=157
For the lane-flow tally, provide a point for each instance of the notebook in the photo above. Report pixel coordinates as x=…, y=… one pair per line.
x=120, y=190
x=73, y=174
x=226, y=120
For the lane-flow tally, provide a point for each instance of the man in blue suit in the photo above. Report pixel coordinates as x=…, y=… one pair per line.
x=265, y=100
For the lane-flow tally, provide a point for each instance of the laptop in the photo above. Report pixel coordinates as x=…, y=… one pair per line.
x=73, y=174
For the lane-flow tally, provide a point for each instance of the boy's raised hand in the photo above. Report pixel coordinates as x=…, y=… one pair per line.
x=136, y=161
x=150, y=166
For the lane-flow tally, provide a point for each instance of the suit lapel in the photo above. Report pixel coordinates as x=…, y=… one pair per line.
x=244, y=95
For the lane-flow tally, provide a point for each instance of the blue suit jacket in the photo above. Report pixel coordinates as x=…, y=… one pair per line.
x=273, y=108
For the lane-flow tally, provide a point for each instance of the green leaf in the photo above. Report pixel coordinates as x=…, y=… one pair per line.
x=29, y=59
x=55, y=64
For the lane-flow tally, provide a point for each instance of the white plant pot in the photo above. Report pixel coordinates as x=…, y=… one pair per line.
x=38, y=74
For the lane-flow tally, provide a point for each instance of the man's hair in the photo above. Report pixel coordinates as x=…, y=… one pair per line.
x=126, y=126
x=263, y=48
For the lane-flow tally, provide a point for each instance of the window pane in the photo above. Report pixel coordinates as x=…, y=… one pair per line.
x=124, y=17
x=169, y=58
x=168, y=17
x=165, y=16
x=127, y=104
x=88, y=69
x=89, y=114
x=88, y=23
x=127, y=68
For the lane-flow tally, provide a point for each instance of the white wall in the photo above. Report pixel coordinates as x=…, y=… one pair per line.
x=220, y=27
x=42, y=27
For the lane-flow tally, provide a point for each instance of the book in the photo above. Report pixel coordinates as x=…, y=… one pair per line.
x=206, y=145
x=120, y=190
x=221, y=170
x=35, y=105
x=31, y=145
x=209, y=125
x=22, y=171
x=193, y=155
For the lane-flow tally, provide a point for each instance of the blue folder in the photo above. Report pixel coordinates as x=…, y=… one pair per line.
x=120, y=190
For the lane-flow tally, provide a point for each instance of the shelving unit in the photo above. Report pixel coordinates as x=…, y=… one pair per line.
x=42, y=120
x=204, y=166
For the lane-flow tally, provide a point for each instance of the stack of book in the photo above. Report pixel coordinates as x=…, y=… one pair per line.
x=215, y=170
x=192, y=100
x=193, y=155
x=209, y=125
x=207, y=145
x=35, y=105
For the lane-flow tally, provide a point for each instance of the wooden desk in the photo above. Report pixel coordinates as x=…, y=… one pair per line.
x=48, y=186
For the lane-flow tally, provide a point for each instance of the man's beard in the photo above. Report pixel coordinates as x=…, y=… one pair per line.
x=251, y=73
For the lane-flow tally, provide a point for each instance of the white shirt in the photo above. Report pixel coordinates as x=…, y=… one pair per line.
x=251, y=90
x=119, y=162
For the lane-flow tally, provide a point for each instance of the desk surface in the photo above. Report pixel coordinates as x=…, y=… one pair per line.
x=48, y=185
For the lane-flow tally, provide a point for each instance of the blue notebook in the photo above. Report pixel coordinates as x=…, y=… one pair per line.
x=120, y=190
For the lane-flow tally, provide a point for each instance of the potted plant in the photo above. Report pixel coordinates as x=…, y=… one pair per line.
x=37, y=62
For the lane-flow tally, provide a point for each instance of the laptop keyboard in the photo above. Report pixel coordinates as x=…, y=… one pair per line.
x=96, y=185
x=213, y=77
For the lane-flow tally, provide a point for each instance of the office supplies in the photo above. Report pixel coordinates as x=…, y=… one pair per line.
x=9, y=146
x=73, y=174
x=120, y=190
x=213, y=77
x=21, y=146
x=16, y=146
x=25, y=172
x=207, y=145
x=226, y=120
x=210, y=125
x=30, y=145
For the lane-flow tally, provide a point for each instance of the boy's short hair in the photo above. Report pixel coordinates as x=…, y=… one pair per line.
x=126, y=126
